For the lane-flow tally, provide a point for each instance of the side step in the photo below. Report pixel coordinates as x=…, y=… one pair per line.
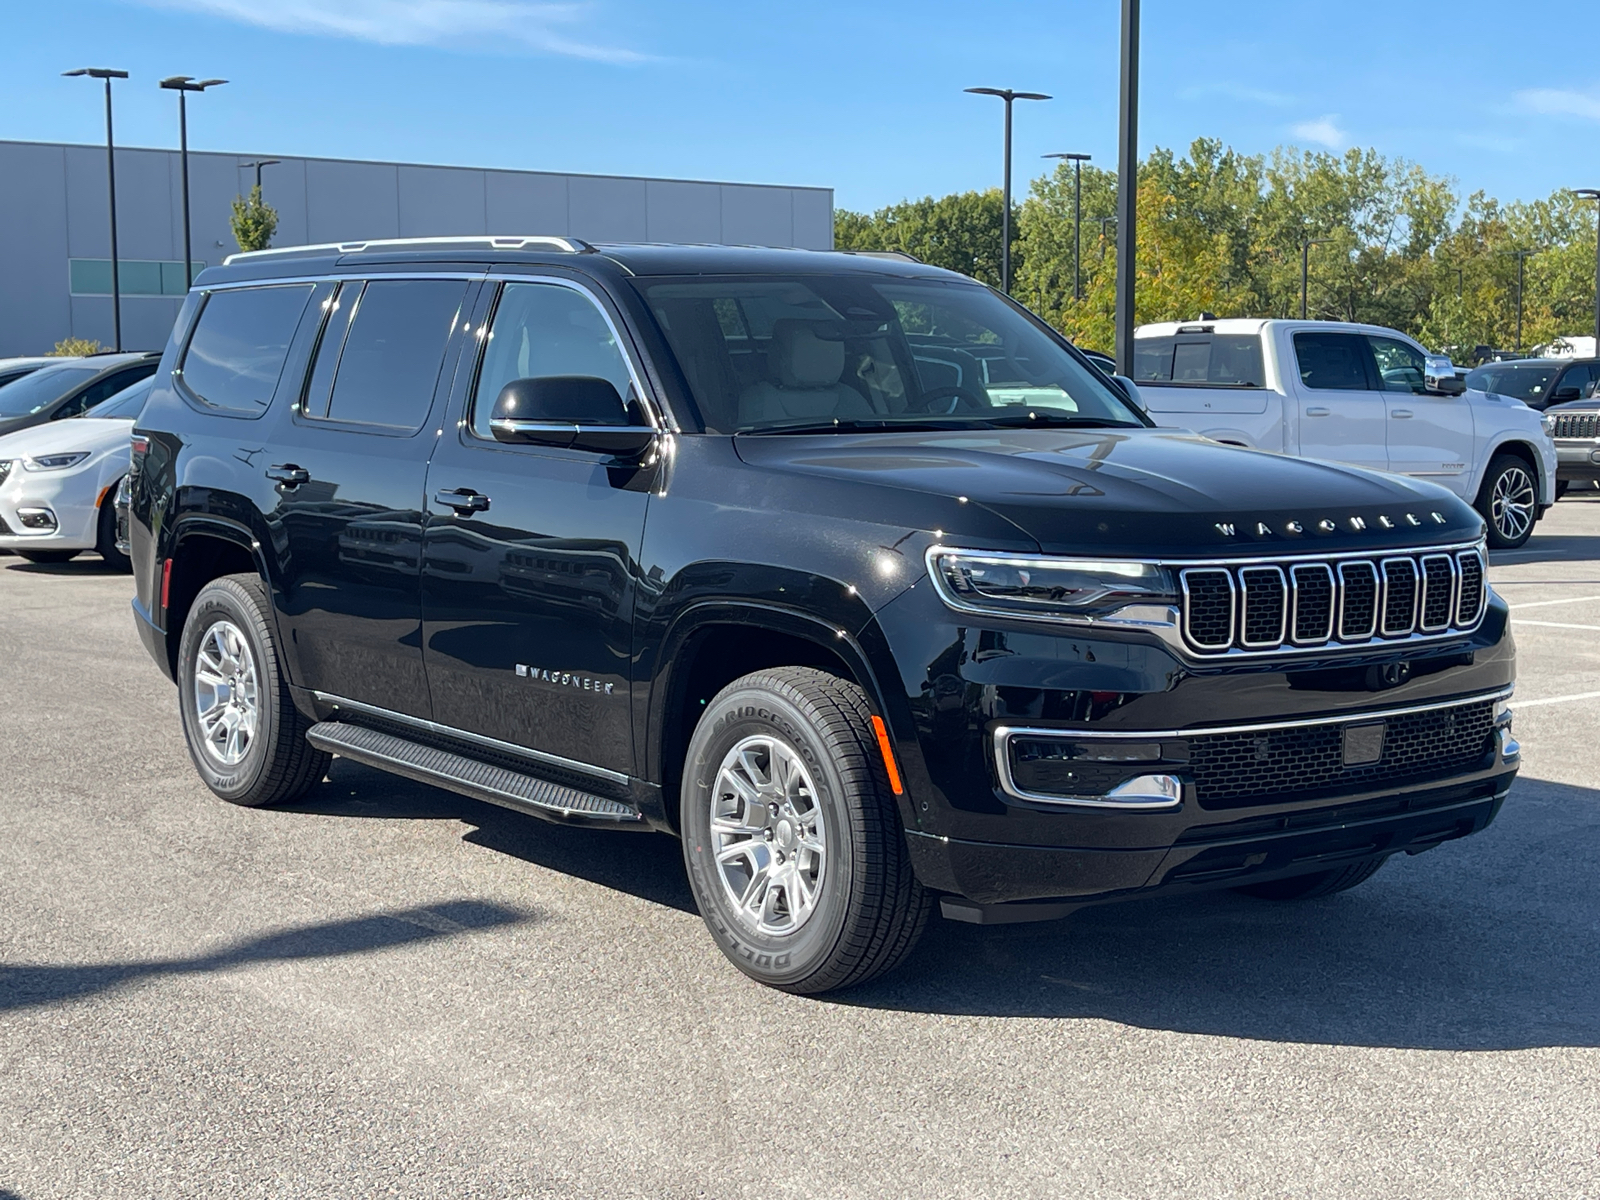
x=458, y=773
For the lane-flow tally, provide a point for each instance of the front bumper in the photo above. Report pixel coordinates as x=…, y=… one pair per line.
x=1578, y=460
x=48, y=511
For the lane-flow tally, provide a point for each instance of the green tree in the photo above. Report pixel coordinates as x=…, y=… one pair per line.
x=961, y=232
x=254, y=221
x=74, y=347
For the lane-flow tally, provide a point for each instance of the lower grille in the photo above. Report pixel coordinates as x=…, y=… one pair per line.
x=5, y=530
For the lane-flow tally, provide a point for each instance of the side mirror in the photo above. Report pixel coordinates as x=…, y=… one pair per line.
x=1439, y=377
x=579, y=412
x=1563, y=394
x=1130, y=391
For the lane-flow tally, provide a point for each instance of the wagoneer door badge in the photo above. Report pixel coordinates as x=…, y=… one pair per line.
x=566, y=679
x=1327, y=525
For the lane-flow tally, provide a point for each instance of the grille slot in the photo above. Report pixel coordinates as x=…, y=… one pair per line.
x=1232, y=770
x=1312, y=594
x=1208, y=608
x=1399, y=596
x=1438, y=592
x=1470, y=604
x=1265, y=607
x=1358, y=610
x=5, y=469
x=1577, y=425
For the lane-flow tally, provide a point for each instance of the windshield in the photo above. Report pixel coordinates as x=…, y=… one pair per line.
x=29, y=394
x=814, y=352
x=126, y=404
x=1528, y=382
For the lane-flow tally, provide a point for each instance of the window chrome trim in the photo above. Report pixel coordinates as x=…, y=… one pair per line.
x=488, y=743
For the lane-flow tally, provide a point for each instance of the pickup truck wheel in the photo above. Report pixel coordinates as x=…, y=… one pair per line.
x=245, y=735
x=1509, y=502
x=791, y=836
x=1319, y=883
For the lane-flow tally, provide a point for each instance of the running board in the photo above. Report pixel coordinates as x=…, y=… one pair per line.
x=445, y=769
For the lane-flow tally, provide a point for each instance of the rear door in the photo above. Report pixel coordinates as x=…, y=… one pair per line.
x=1342, y=413
x=1428, y=436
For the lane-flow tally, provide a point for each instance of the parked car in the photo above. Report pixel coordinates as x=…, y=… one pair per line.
x=58, y=481
x=1575, y=426
x=1538, y=382
x=692, y=539
x=13, y=369
x=69, y=388
x=1359, y=394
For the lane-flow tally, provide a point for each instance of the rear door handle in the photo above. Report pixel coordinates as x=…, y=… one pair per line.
x=464, y=500
x=1319, y=412
x=1401, y=414
x=289, y=475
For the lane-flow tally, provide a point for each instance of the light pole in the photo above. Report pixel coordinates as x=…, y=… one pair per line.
x=183, y=85
x=1077, y=161
x=1594, y=194
x=265, y=162
x=1522, y=258
x=1127, y=185
x=1103, y=221
x=1305, y=268
x=1008, y=96
x=111, y=190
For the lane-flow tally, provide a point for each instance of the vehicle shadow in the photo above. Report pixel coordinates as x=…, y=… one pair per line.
x=1577, y=547
x=85, y=564
x=29, y=985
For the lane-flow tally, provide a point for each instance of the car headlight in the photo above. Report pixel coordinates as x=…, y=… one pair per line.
x=54, y=462
x=1549, y=424
x=1063, y=589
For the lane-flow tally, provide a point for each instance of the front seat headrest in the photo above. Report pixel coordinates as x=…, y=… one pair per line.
x=801, y=359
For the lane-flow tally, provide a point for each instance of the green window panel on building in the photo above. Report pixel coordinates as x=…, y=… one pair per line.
x=138, y=277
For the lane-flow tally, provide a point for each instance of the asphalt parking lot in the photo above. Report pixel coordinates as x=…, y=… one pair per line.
x=390, y=990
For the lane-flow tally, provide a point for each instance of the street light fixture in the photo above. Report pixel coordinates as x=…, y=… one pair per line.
x=1594, y=194
x=265, y=162
x=1008, y=96
x=108, y=75
x=1077, y=161
x=1305, y=268
x=1127, y=185
x=183, y=85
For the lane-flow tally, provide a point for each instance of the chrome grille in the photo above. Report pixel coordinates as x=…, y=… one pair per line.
x=1577, y=425
x=1258, y=607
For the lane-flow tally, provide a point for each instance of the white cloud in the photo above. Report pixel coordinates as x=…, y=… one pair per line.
x=1232, y=91
x=551, y=28
x=1324, y=131
x=1555, y=102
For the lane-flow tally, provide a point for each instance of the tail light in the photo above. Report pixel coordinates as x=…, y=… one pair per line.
x=137, y=449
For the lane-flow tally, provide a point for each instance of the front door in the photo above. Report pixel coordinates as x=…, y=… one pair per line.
x=1429, y=436
x=349, y=462
x=1342, y=414
x=530, y=553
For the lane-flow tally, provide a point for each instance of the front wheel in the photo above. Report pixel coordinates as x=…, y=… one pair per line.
x=1509, y=501
x=791, y=837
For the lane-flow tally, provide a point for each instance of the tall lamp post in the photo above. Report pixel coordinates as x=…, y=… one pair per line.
x=1305, y=268
x=111, y=190
x=265, y=162
x=1522, y=257
x=1594, y=194
x=1104, y=221
x=183, y=85
x=1077, y=161
x=1127, y=185
x=1008, y=96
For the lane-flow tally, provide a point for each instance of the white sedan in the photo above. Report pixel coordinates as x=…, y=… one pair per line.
x=58, y=482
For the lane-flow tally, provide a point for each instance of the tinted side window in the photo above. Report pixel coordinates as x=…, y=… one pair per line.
x=103, y=389
x=1220, y=360
x=1400, y=368
x=236, y=354
x=389, y=363
x=540, y=330
x=1332, y=361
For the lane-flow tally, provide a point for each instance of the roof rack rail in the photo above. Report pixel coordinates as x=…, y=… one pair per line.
x=896, y=255
x=567, y=245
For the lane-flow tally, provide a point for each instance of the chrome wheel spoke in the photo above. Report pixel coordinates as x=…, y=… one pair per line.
x=225, y=694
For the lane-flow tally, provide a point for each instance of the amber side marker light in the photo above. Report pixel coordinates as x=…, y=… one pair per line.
x=887, y=751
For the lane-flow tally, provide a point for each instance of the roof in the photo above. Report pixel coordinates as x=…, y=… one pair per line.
x=1251, y=325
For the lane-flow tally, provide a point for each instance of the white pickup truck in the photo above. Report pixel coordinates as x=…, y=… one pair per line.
x=1358, y=394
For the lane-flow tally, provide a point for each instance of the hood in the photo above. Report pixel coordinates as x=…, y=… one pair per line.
x=1150, y=491
x=57, y=437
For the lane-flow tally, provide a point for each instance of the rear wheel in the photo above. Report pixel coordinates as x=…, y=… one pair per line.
x=1319, y=883
x=105, y=542
x=48, y=556
x=247, y=739
x=1509, y=501
x=791, y=836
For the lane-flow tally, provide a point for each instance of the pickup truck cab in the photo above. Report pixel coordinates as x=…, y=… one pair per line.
x=1359, y=394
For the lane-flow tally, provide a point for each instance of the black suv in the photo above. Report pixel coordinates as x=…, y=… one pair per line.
x=849, y=572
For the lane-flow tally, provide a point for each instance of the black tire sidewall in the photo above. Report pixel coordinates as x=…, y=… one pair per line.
x=105, y=540
x=219, y=601
x=731, y=717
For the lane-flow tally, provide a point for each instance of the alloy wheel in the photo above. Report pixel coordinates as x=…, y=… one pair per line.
x=1512, y=502
x=227, y=695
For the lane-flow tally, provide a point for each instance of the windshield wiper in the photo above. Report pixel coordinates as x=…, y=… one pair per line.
x=858, y=426
x=1037, y=420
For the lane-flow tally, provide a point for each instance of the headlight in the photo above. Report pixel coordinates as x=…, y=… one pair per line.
x=55, y=462
x=1069, y=589
x=1549, y=424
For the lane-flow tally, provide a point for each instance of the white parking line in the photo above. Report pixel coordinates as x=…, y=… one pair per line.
x=1555, y=625
x=1555, y=700
x=1518, y=607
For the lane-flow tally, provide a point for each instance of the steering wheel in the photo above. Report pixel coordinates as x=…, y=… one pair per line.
x=954, y=399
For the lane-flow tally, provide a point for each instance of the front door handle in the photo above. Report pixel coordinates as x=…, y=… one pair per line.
x=1401, y=414
x=1319, y=412
x=288, y=475
x=464, y=500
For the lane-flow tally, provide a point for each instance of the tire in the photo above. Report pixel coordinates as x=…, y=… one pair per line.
x=866, y=908
x=1561, y=487
x=105, y=540
x=274, y=764
x=1509, y=501
x=44, y=557
x=1319, y=883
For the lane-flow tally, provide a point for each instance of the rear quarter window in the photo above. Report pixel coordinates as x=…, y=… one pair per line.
x=239, y=345
x=1201, y=359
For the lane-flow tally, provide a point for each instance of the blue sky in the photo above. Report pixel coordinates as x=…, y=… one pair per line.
x=865, y=98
